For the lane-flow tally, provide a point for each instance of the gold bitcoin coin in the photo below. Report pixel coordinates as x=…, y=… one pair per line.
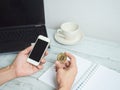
x=61, y=57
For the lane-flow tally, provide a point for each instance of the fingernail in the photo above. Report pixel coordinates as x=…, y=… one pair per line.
x=57, y=62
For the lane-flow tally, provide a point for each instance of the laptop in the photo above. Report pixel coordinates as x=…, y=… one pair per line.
x=21, y=21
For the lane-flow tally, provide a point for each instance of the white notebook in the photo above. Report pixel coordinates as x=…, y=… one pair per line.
x=89, y=77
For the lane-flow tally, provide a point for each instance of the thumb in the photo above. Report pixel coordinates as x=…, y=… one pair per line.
x=58, y=65
x=27, y=50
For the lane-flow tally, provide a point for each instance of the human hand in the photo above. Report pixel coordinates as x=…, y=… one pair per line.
x=22, y=67
x=66, y=72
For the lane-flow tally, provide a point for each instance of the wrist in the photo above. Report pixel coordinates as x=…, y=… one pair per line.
x=12, y=72
x=6, y=74
x=64, y=87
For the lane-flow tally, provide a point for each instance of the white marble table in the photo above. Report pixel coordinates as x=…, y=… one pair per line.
x=98, y=51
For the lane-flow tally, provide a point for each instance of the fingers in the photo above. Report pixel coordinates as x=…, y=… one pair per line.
x=71, y=63
x=46, y=53
x=40, y=67
x=37, y=68
x=42, y=61
x=67, y=63
x=58, y=65
x=72, y=59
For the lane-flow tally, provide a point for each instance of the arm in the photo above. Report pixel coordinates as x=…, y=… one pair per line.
x=6, y=74
x=20, y=67
x=66, y=73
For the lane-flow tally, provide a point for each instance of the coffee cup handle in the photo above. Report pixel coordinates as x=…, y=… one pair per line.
x=59, y=32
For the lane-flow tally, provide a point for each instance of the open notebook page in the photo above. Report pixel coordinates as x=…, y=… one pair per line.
x=49, y=77
x=103, y=79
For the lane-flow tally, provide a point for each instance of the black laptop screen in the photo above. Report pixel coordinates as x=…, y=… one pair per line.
x=21, y=12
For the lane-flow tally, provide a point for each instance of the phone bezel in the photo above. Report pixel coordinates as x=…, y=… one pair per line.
x=32, y=61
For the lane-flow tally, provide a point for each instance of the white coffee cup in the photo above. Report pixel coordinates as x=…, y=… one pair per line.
x=68, y=30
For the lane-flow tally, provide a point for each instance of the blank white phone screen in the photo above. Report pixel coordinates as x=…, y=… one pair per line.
x=38, y=50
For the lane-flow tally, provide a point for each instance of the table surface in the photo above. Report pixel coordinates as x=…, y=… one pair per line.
x=95, y=50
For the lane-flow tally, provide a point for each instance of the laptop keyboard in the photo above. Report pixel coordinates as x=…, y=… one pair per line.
x=21, y=34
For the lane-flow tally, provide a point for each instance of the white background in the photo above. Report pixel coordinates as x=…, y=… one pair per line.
x=97, y=18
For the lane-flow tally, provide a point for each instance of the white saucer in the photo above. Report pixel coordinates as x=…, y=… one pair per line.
x=68, y=42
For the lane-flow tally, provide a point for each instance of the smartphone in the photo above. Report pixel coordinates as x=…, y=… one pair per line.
x=40, y=46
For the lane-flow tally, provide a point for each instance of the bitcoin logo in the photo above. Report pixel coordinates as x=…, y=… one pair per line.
x=61, y=57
